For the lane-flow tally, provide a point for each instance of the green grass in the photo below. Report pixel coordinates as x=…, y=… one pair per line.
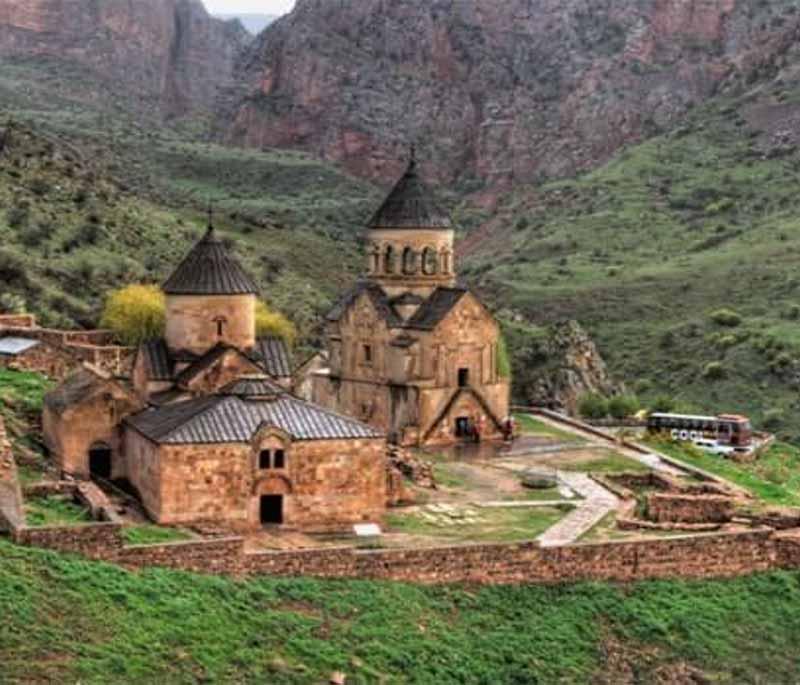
x=54, y=511
x=23, y=389
x=66, y=620
x=153, y=535
x=530, y=425
x=605, y=461
x=774, y=478
x=493, y=524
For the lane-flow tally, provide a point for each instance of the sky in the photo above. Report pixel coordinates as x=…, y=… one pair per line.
x=249, y=6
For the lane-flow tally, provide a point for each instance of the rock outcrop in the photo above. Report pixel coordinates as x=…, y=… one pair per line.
x=560, y=368
x=493, y=91
x=167, y=56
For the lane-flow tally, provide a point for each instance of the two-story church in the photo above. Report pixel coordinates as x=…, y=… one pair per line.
x=409, y=351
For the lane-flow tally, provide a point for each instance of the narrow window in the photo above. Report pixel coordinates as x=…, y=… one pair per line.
x=264, y=459
x=220, y=326
x=368, y=354
x=388, y=266
x=463, y=378
x=280, y=460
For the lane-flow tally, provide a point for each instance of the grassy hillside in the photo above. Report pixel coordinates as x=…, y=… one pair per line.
x=680, y=256
x=66, y=621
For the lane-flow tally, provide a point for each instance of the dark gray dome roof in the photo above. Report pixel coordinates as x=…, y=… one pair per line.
x=410, y=205
x=209, y=269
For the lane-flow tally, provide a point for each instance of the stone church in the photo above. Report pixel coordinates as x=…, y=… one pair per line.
x=409, y=351
x=206, y=428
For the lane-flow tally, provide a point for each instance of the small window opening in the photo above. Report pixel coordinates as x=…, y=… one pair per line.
x=463, y=378
x=280, y=460
x=368, y=354
x=264, y=459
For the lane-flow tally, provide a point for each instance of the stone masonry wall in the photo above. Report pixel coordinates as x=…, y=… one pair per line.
x=10, y=493
x=684, y=508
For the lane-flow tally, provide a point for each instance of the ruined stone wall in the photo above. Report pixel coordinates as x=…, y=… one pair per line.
x=24, y=321
x=45, y=359
x=11, y=514
x=688, y=508
x=192, y=322
x=93, y=540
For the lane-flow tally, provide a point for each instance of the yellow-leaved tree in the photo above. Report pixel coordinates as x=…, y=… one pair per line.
x=270, y=323
x=135, y=313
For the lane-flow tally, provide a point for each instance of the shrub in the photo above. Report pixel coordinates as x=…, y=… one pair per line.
x=12, y=304
x=593, y=406
x=503, y=360
x=12, y=268
x=623, y=406
x=17, y=217
x=35, y=235
x=40, y=187
x=135, y=313
x=663, y=404
x=726, y=317
x=773, y=419
x=714, y=371
x=272, y=323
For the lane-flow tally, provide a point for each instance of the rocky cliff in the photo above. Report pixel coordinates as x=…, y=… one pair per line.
x=496, y=91
x=168, y=56
x=559, y=366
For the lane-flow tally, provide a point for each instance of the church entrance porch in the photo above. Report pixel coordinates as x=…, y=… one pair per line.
x=271, y=510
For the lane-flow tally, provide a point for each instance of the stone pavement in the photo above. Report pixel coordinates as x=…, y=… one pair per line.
x=597, y=503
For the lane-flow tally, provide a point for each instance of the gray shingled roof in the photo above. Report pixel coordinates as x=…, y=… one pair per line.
x=231, y=419
x=202, y=363
x=209, y=269
x=159, y=362
x=410, y=205
x=435, y=308
x=273, y=355
x=11, y=347
x=253, y=387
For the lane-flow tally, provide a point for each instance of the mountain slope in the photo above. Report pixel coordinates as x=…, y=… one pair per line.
x=163, y=57
x=254, y=23
x=493, y=92
x=650, y=250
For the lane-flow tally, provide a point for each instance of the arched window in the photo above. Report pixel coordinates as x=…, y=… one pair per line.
x=375, y=265
x=430, y=263
x=445, y=257
x=409, y=261
x=388, y=260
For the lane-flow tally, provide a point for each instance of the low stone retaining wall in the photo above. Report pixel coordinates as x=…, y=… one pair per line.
x=11, y=513
x=668, y=507
x=101, y=541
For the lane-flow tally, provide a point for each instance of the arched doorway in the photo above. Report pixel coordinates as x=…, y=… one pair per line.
x=100, y=461
x=271, y=499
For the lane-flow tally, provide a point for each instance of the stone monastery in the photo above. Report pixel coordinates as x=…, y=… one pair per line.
x=207, y=428
x=409, y=351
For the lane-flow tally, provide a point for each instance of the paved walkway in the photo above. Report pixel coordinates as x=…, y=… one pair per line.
x=596, y=505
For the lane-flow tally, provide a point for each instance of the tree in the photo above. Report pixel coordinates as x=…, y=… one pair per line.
x=593, y=406
x=270, y=323
x=623, y=406
x=135, y=313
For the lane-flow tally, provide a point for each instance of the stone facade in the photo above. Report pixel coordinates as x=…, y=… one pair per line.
x=408, y=352
x=198, y=323
x=323, y=484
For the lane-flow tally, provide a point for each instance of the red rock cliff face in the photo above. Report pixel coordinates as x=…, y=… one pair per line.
x=167, y=53
x=492, y=90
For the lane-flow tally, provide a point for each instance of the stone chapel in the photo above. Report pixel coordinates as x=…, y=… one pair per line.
x=206, y=428
x=409, y=351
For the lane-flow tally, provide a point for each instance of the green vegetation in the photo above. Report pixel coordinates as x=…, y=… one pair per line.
x=136, y=313
x=530, y=425
x=774, y=477
x=23, y=389
x=54, y=510
x=491, y=524
x=152, y=535
x=67, y=621
x=602, y=461
x=593, y=406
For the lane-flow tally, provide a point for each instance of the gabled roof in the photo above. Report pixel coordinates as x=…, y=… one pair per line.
x=436, y=308
x=160, y=366
x=410, y=204
x=379, y=300
x=272, y=354
x=231, y=419
x=209, y=269
x=203, y=363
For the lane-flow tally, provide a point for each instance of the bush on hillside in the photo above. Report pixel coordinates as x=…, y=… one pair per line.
x=663, y=404
x=726, y=317
x=773, y=419
x=272, y=323
x=12, y=304
x=714, y=371
x=593, y=406
x=623, y=406
x=135, y=313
